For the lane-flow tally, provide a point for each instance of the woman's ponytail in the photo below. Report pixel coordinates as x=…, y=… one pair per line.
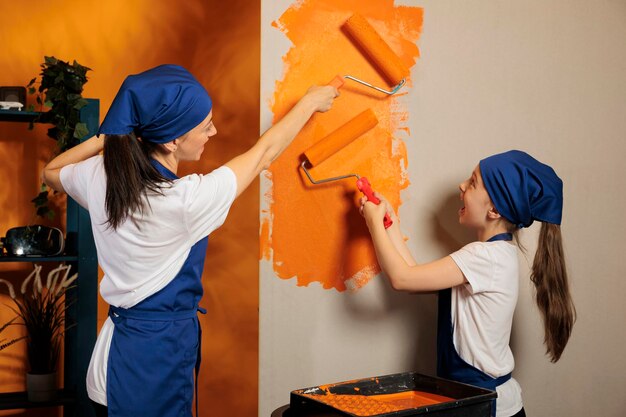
x=130, y=175
x=552, y=290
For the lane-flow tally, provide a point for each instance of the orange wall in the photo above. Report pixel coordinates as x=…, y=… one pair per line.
x=219, y=43
x=332, y=246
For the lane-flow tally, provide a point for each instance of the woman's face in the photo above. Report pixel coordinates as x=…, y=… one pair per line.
x=476, y=201
x=191, y=145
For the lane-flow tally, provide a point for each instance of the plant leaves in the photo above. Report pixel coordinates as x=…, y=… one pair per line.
x=41, y=199
x=11, y=342
x=50, y=214
x=81, y=130
x=60, y=90
x=80, y=103
x=43, y=315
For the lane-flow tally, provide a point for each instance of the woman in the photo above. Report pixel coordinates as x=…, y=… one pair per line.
x=151, y=230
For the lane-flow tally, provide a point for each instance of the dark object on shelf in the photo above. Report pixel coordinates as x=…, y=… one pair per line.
x=16, y=94
x=357, y=397
x=35, y=240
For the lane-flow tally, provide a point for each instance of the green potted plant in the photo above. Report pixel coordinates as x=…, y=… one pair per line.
x=60, y=90
x=41, y=308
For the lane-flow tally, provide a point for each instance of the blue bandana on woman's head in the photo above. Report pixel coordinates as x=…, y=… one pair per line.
x=159, y=105
x=522, y=188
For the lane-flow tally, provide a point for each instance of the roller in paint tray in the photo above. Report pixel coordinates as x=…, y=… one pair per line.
x=378, y=51
x=334, y=142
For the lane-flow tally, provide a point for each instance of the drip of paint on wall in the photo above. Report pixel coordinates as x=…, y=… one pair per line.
x=314, y=233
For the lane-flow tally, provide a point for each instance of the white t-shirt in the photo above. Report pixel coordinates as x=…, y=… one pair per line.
x=482, y=314
x=138, y=262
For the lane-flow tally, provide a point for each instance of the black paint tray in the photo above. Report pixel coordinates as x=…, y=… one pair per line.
x=465, y=400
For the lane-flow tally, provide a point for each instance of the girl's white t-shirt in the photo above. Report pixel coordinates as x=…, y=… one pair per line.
x=482, y=314
x=146, y=251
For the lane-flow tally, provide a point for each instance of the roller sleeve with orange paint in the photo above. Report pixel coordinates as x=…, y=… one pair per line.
x=336, y=141
x=376, y=49
x=341, y=137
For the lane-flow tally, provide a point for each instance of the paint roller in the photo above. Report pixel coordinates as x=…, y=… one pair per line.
x=334, y=142
x=380, y=54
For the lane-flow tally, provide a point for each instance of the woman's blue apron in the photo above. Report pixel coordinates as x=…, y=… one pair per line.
x=449, y=364
x=156, y=343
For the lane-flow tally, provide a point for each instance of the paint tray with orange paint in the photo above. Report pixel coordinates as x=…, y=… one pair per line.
x=334, y=142
x=397, y=395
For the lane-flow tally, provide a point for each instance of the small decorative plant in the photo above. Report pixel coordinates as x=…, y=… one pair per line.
x=41, y=309
x=61, y=87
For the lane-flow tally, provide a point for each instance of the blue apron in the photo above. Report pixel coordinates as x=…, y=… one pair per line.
x=156, y=344
x=449, y=364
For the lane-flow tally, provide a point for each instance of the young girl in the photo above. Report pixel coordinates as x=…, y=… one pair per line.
x=151, y=230
x=479, y=283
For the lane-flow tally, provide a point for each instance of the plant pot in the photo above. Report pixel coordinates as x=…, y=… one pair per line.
x=41, y=387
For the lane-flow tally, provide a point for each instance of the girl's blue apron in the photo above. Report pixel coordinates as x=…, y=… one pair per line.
x=449, y=364
x=156, y=344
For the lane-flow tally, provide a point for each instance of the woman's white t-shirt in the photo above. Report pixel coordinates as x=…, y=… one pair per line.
x=482, y=314
x=146, y=251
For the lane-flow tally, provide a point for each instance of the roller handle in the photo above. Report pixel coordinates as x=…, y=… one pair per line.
x=366, y=188
x=337, y=82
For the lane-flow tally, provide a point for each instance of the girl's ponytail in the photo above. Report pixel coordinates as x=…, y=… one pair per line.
x=130, y=175
x=552, y=290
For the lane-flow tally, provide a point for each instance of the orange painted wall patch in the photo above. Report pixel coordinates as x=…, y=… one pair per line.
x=314, y=233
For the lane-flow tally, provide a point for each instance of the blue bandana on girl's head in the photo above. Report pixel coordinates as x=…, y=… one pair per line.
x=522, y=188
x=159, y=105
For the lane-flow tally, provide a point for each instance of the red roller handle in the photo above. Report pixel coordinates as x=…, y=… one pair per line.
x=366, y=188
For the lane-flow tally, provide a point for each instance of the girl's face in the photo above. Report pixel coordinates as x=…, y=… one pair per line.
x=476, y=201
x=191, y=145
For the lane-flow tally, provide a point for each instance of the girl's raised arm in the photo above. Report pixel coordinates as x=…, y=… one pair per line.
x=396, y=261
